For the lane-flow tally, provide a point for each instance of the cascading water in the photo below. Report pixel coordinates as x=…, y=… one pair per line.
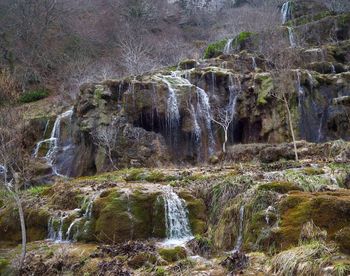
x=333, y=69
x=228, y=46
x=286, y=12
x=55, y=229
x=292, y=40
x=200, y=112
x=254, y=63
x=239, y=240
x=176, y=218
x=204, y=112
x=55, y=145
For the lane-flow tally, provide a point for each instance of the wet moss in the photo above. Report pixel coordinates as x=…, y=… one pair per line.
x=36, y=224
x=173, y=254
x=281, y=187
x=197, y=213
x=329, y=211
x=266, y=86
x=120, y=217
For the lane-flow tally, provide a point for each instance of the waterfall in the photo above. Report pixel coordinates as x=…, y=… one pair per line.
x=269, y=210
x=333, y=69
x=196, y=127
x=292, y=40
x=176, y=217
x=204, y=112
x=254, y=63
x=54, y=143
x=286, y=12
x=56, y=233
x=239, y=240
x=228, y=46
x=69, y=236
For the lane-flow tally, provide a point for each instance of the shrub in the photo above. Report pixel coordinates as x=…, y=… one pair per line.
x=34, y=95
x=215, y=49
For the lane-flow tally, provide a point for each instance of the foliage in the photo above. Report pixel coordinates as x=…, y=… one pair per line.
x=215, y=49
x=33, y=95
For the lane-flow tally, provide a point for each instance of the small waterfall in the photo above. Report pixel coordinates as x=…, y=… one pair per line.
x=286, y=12
x=56, y=233
x=239, y=240
x=228, y=46
x=176, y=217
x=254, y=63
x=196, y=127
x=292, y=40
x=268, y=211
x=54, y=142
x=204, y=112
x=69, y=236
x=333, y=69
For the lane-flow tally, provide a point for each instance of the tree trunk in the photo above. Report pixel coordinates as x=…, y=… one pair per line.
x=291, y=128
x=225, y=141
x=23, y=230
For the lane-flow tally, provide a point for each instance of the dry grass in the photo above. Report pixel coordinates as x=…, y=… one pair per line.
x=308, y=259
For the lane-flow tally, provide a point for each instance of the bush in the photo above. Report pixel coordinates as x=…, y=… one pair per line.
x=215, y=49
x=34, y=95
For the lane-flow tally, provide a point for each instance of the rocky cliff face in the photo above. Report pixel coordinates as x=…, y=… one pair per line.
x=167, y=116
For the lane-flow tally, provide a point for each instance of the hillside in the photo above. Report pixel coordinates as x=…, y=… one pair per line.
x=234, y=162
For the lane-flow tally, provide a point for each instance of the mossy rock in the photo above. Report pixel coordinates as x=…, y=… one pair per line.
x=329, y=211
x=173, y=254
x=281, y=187
x=35, y=219
x=266, y=86
x=197, y=213
x=342, y=237
x=187, y=64
x=121, y=218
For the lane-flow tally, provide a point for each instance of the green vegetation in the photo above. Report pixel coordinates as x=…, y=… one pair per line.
x=173, y=254
x=215, y=49
x=266, y=87
x=34, y=95
x=241, y=38
x=281, y=187
x=4, y=263
x=38, y=190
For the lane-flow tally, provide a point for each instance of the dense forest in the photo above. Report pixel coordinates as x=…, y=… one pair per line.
x=174, y=137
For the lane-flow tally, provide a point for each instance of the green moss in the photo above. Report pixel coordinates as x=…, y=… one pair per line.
x=134, y=174
x=241, y=38
x=4, y=263
x=309, y=18
x=266, y=87
x=327, y=210
x=197, y=213
x=173, y=254
x=36, y=223
x=215, y=49
x=121, y=217
x=281, y=187
x=34, y=95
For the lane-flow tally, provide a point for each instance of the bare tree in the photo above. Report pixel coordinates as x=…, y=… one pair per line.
x=223, y=118
x=106, y=139
x=13, y=165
